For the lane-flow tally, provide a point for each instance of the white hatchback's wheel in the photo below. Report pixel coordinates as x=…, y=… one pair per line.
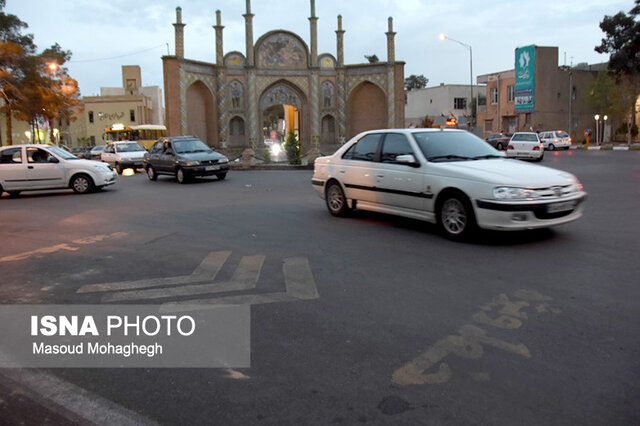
x=455, y=216
x=82, y=184
x=336, y=200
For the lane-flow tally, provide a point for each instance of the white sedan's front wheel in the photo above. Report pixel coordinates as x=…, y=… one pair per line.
x=455, y=216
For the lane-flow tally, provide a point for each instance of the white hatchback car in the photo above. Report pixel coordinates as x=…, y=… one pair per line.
x=525, y=145
x=37, y=167
x=449, y=177
x=124, y=155
x=555, y=139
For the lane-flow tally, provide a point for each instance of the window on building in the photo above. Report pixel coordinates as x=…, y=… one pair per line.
x=573, y=93
x=459, y=103
x=93, y=140
x=90, y=116
x=511, y=93
x=132, y=115
x=527, y=118
x=482, y=100
x=488, y=125
x=494, y=95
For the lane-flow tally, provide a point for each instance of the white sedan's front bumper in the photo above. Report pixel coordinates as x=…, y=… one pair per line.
x=510, y=215
x=105, y=178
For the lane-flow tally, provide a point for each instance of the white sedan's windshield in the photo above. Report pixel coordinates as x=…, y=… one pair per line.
x=129, y=147
x=453, y=146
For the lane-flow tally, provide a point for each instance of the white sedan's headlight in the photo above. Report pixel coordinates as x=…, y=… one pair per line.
x=511, y=193
x=103, y=167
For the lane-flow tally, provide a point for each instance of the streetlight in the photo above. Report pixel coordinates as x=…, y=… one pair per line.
x=597, y=117
x=604, y=127
x=443, y=37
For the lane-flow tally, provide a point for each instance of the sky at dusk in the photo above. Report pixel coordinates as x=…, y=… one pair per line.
x=104, y=35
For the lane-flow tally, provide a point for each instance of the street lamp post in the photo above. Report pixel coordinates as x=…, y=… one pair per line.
x=604, y=127
x=445, y=37
x=597, y=117
x=53, y=68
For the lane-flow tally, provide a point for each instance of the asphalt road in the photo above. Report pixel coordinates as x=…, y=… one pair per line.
x=408, y=328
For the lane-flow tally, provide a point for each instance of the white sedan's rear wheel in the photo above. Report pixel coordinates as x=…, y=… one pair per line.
x=336, y=201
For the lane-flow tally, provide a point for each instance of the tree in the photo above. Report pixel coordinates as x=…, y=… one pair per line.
x=14, y=47
x=427, y=122
x=40, y=79
x=415, y=82
x=373, y=59
x=622, y=41
x=292, y=148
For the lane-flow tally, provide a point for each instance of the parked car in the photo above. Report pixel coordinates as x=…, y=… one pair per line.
x=124, y=155
x=95, y=152
x=525, y=145
x=499, y=141
x=36, y=167
x=184, y=157
x=555, y=139
x=449, y=177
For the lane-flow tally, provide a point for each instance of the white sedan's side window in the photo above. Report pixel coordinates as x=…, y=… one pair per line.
x=395, y=144
x=365, y=149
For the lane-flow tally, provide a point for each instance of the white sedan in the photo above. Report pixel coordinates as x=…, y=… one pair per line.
x=525, y=145
x=37, y=167
x=449, y=177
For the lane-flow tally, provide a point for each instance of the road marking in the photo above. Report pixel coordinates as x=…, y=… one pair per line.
x=207, y=270
x=245, y=277
x=72, y=246
x=71, y=401
x=469, y=341
x=298, y=278
x=299, y=284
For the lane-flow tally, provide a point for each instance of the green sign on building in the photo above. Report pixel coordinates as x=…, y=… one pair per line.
x=525, y=66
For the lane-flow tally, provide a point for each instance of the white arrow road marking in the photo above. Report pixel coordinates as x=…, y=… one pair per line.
x=299, y=282
x=245, y=277
x=206, y=271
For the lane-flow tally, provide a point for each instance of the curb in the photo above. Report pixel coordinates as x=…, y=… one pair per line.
x=279, y=167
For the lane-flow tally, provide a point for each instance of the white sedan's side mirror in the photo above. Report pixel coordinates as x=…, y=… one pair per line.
x=407, y=159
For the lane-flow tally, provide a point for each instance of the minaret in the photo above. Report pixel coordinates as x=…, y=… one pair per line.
x=218, y=27
x=248, y=17
x=179, y=26
x=391, y=44
x=340, y=42
x=313, y=24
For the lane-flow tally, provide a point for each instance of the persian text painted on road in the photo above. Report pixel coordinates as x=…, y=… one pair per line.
x=502, y=312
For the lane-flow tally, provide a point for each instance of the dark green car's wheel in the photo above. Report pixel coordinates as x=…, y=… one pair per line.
x=151, y=173
x=221, y=176
x=181, y=176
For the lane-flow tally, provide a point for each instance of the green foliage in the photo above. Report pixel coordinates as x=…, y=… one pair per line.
x=622, y=41
x=623, y=128
x=292, y=148
x=415, y=82
x=30, y=88
x=427, y=122
x=267, y=156
x=373, y=59
x=600, y=92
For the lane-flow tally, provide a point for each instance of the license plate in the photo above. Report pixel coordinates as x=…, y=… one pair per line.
x=209, y=168
x=561, y=207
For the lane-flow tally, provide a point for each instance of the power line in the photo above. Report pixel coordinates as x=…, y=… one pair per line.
x=117, y=57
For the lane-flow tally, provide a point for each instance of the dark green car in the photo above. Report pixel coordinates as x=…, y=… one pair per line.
x=184, y=157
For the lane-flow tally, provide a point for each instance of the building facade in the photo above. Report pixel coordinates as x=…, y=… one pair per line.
x=129, y=105
x=278, y=84
x=439, y=103
x=555, y=99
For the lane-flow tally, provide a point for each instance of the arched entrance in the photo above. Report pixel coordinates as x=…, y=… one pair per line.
x=328, y=130
x=201, y=114
x=366, y=109
x=237, y=137
x=283, y=108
